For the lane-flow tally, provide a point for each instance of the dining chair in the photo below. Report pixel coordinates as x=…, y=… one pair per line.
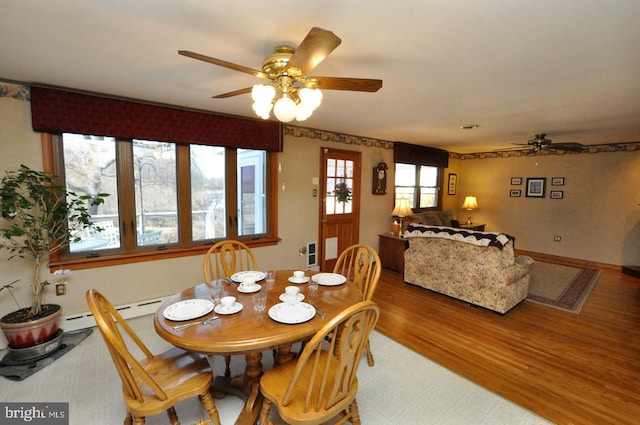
x=221, y=261
x=322, y=383
x=361, y=264
x=227, y=257
x=157, y=382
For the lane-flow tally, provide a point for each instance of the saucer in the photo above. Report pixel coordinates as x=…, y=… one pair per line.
x=303, y=280
x=254, y=288
x=255, y=275
x=219, y=309
x=283, y=298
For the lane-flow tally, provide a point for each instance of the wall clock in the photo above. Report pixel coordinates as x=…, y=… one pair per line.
x=379, y=186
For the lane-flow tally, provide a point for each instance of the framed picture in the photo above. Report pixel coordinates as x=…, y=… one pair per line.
x=557, y=181
x=556, y=194
x=453, y=181
x=515, y=181
x=515, y=193
x=536, y=187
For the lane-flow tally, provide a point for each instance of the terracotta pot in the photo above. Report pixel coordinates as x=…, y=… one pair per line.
x=27, y=333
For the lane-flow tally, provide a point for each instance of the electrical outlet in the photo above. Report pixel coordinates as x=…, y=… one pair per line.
x=557, y=238
x=61, y=289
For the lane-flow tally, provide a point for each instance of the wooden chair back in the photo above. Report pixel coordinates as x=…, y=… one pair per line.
x=226, y=258
x=322, y=383
x=155, y=383
x=361, y=264
x=109, y=321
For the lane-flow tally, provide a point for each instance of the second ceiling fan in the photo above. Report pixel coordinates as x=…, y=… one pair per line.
x=288, y=68
x=540, y=143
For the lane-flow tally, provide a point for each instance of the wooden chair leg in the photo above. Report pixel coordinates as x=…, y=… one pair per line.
x=264, y=413
x=138, y=420
x=173, y=416
x=207, y=401
x=128, y=420
x=370, y=360
x=354, y=413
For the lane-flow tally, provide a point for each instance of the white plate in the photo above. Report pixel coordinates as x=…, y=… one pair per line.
x=283, y=298
x=255, y=275
x=187, y=309
x=234, y=309
x=255, y=288
x=292, y=313
x=329, y=279
x=303, y=280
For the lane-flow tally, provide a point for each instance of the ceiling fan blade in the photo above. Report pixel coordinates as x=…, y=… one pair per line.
x=233, y=93
x=571, y=147
x=313, y=49
x=223, y=63
x=353, y=84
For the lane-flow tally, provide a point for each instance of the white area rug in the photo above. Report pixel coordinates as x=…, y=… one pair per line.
x=402, y=388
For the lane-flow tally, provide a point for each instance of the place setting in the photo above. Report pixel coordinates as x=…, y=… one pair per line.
x=292, y=310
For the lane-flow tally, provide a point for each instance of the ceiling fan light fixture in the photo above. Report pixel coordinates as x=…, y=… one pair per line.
x=285, y=109
x=262, y=96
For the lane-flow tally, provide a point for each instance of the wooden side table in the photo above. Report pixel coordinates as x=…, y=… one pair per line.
x=477, y=227
x=391, y=251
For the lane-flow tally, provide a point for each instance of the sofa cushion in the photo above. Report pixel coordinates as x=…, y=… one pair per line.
x=431, y=218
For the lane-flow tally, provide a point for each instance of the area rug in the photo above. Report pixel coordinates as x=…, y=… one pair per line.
x=16, y=370
x=562, y=287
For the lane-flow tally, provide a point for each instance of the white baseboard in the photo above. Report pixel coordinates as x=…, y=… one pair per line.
x=74, y=322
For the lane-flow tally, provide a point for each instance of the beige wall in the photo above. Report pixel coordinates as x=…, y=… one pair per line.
x=298, y=221
x=598, y=219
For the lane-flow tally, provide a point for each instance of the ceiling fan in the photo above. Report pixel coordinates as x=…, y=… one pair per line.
x=540, y=143
x=288, y=68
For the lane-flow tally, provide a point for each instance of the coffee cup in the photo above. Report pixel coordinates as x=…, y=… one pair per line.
x=291, y=293
x=227, y=302
x=298, y=275
x=248, y=283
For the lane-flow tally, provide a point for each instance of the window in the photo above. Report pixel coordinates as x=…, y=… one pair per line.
x=164, y=196
x=419, y=184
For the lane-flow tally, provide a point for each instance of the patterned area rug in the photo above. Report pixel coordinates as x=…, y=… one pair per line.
x=562, y=287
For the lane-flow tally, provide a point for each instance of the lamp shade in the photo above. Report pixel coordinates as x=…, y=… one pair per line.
x=402, y=208
x=470, y=203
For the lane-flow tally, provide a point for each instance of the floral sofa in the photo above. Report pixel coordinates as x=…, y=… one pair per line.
x=477, y=267
x=432, y=218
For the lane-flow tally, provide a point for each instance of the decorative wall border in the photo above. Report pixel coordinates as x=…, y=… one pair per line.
x=603, y=148
x=16, y=91
x=331, y=136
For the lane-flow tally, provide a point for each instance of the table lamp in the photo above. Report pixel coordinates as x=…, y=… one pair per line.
x=470, y=204
x=401, y=210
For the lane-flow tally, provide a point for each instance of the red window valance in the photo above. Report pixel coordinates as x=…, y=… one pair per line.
x=66, y=111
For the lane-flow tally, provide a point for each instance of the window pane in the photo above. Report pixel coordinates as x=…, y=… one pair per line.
x=405, y=175
x=90, y=169
x=208, y=202
x=428, y=197
x=252, y=196
x=154, y=171
x=428, y=176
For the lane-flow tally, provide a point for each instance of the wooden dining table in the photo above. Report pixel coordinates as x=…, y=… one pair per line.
x=251, y=333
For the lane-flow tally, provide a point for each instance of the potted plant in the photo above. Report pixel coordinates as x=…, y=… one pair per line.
x=38, y=217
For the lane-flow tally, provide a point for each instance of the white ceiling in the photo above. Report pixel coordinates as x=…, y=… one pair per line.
x=569, y=68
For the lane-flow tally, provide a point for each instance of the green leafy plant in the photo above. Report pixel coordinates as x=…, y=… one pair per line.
x=343, y=192
x=39, y=217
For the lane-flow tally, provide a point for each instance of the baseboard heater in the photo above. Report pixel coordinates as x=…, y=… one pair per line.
x=85, y=320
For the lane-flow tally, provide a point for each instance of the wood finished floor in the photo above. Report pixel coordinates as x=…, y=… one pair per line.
x=569, y=368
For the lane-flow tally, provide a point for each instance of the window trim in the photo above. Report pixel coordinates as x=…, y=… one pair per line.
x=57, y=260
